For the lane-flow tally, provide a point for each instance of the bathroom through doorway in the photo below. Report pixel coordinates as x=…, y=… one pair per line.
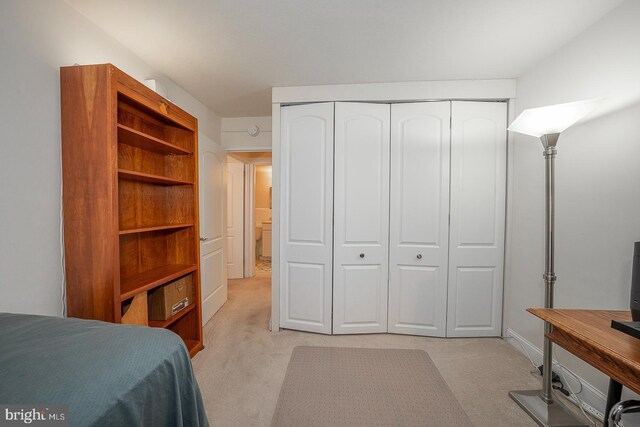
x=249, y=214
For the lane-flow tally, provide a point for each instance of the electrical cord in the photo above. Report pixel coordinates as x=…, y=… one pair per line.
x=565, y=371
x=575, y=396
x=524, y=350
x=561, y=388
x=537, y=367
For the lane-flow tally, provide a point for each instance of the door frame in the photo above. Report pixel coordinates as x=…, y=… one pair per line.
x=249, y=258
x=249, y=253
x=443, y=90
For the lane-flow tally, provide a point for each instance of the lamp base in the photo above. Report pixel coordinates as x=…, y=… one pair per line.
x=552, y=414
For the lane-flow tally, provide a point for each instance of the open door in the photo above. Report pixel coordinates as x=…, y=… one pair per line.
x=212, y=205
x=306, y=218
x=235, y=218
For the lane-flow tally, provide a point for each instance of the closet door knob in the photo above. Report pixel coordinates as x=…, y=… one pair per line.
x=361, y=255
x=419, y=256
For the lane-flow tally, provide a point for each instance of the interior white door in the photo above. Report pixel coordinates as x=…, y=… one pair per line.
x=213, y=276
x=419, y=215
x=361, y=218
x=476, y=245
x=235, y=219
x=306, y=209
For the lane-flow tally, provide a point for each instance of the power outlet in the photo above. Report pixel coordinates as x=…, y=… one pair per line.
x=593, y=411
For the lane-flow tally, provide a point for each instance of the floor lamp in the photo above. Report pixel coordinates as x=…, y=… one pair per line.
x=547, y=123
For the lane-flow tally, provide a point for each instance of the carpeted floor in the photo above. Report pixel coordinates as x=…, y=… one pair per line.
x=242, y=367
x=372, y=387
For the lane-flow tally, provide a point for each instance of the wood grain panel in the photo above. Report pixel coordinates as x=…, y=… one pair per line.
x=157, y=105
x=88, y=162
x=151, y=279
x=130, y=116
x=588, y=335
x=149, y=178
x=179, y=167
x=129, y=256
x=186, y=327
x=180, y=204
x=145, y=141
x=138, y=312
x=172, y=319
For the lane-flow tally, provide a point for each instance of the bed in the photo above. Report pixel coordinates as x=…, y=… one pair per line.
x=107, y=374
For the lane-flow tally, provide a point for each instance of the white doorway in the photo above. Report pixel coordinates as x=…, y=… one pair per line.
x=249, y=203
x=262, y=220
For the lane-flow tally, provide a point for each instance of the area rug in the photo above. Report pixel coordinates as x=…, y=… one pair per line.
x=263, y=265
x=333, y=386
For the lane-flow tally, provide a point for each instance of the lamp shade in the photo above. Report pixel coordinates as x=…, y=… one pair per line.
x=553, y=118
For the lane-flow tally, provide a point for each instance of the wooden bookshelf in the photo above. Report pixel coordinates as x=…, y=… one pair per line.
x=150, y=178
x=134, y=138
x=129, y=163
x=172, y=319
x=153, y=278
x=194, y=346
x=153, y=228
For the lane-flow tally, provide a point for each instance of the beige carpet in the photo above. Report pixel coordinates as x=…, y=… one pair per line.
x=341, y=387
x=243, y=365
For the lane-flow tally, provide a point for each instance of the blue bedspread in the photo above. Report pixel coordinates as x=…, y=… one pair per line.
x=108, y=375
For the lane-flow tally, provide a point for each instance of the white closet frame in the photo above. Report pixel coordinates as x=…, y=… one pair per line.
x=444, y=90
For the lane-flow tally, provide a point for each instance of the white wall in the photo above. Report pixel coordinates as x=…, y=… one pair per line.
x=597, y=183
x=36, y=38
x=236, y=138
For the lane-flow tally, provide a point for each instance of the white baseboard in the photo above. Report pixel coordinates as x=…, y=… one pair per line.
x=593, y=398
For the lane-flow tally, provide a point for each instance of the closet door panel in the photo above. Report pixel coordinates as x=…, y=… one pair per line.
x=415, y=285
x=361, y=292
x=361, y=223
x=306, y=212
x=478, y=190
x=419, y=210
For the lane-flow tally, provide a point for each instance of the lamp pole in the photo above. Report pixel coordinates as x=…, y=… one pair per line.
x=540, y=404
x=547, y=123
x=549, y=143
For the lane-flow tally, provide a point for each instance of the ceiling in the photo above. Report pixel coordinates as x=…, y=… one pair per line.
x=229, y=53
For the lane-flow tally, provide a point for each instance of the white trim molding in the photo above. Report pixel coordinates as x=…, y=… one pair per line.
x=274, y=323
x=398, y=92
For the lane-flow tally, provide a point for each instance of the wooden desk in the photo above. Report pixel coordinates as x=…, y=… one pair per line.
x=588, y=335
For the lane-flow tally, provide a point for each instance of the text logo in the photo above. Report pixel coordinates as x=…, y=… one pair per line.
x=37, y=415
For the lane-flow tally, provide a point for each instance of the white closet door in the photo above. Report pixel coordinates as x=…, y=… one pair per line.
x=476, y=246
x=419, y=235
x=361, y=224
x=306, y=211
